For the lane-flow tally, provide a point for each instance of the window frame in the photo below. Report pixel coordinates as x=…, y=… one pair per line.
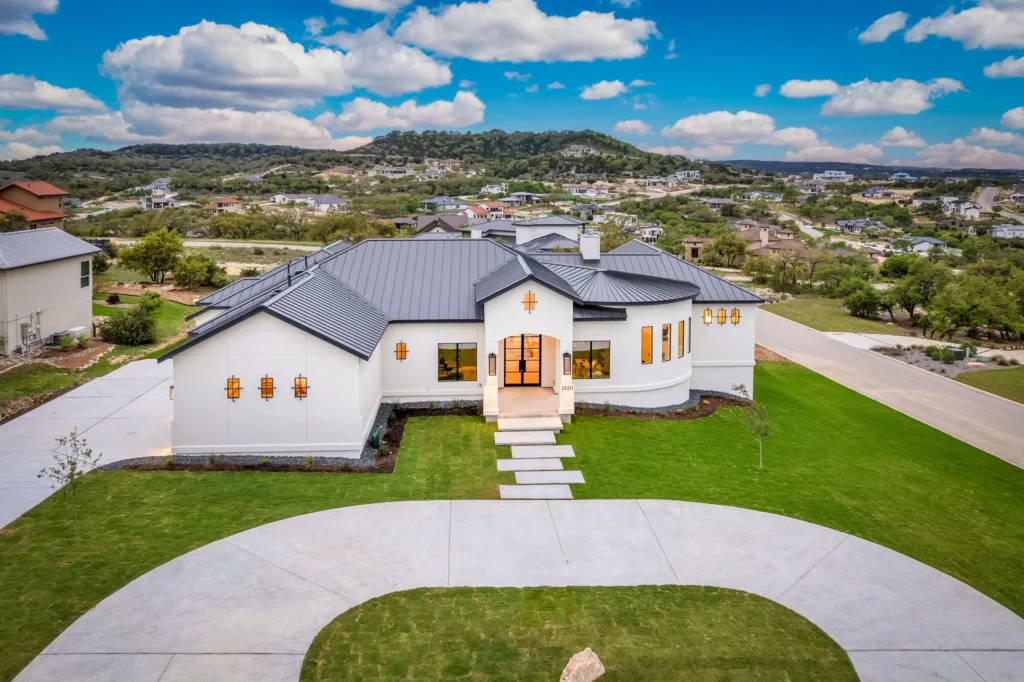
x=459, y=347
x=233, y=389
x=301, y=387
x=590, y=360
x=681, y=340
x=734, y=316
x=647, y=345
x=85, y=274
x=666, y=342
x=722, y=317
x=267, y=387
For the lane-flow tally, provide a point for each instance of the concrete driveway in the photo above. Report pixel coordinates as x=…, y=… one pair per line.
x=986, y=421
x=248, y=607
x=123, y=415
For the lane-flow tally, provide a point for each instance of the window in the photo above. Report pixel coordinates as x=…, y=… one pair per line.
x=85, y=279
x=529, y=301
x=681, y=339
x=734, y=317
x=647, y=345
x=721, y=316
x=401, y=351
x=591, y=359
x=234, y=388
x=301, y=387
x=456, y=362
x=666, y=342
x=707, y=316
x=266, y=388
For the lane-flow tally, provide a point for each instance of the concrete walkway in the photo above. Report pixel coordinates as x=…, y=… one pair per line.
x=991, y=423
x=248, y=607
x=122, y=415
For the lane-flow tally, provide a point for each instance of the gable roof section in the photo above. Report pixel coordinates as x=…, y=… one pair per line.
x=32, y=247
x=597, y=286
x=446, y=221
x=39, y=188
x=548, y=242
x=30, y=214
x=516, y=271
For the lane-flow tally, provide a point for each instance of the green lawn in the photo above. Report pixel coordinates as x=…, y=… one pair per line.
x=640, y=633
x=1008, y=383
x=828, y=315
x=27, y=380
x=170, y=317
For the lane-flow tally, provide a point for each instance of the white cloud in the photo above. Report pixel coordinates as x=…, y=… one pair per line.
x=800, y=89
x=793, y=137
x=516, y=76
x=884, y=27
x=987, y=137
x=626, y=3
x=900, y=96
x=555, y=85
x=532, y=88
x=362, y=114
x=723, y=127
x=1008, y=68
x=961, y=154
x=989, y=24
x=632, y=127
x=639, y=83
x=670, y=53
x=379, y=6
x=901, y=137
x=861, y=153
x=604, y=90
x=713, y=151
x=28, y=135
x=762, y=90
x=518, y=31
x=1014, y=118
x=314, y=25
x=14, y=151
x=25, y=92
x=466, y=84
x=16, y=17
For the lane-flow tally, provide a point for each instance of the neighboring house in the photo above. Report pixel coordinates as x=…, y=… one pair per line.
x=152, y=202
x=45, y=287
x=444, y=223
x=649, y=233
x=924, y=244
x=439, y=204
x=858, y=226
x=769, y=240
x=432, y=174
x=72, y=202
x=589, y=191
x=159, y=187
x=688, y=175
x=746, y=224
x=693, y=248
x=833, y=176
x=403, y=223
x=876, y=256
x=449, y=164
x=1006, y=231
x=488, y=190
x=578, y=150
x=225, y=205
x=960, y=208
x=302, y=366
x=527, y=198
x=391, y=172
x=878, y=193
x=1017, y=197
x=812, y=187
x=476, y=211
x=717, y=204
x=40, y=203
x=670, y=181
x=325, y=203
x=759, y=195
x=339, y=172
x=901, y=177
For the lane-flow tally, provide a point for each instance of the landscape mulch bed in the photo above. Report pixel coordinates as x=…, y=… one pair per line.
x=705, y=408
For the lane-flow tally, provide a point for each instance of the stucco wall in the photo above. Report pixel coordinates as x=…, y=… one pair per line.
x=723, y=355
x=415, y=378
x=54, y=290
x=525, y=234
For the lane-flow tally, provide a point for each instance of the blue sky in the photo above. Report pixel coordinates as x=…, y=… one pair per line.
x=894, y=81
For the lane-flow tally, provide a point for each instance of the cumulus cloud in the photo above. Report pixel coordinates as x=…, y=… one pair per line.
x=379, y=6
x=26, y=92
x=723, y=127
x=516, y=76
x=1014, y=118
x=713, y=151
x=801, y=89
x=603, y=90
x=28, y=135
x=901, y=137
x=901, y=96
x=989, y=24
x=362, y=114
x=15, y=151
x=16, y=17
x=639, y=83
x=314, y=25
x=518, y=31
x=762, y=90
x=962, y=154
x=532, y=88
x=1008, y=68
x=555, y=85
x=987, y=137
x=884, y=27
x=861, y=153
x=792, y=137
x=632, y=127
x=466, y=84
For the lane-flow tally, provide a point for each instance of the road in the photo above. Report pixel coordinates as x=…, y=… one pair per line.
x=197, y=244
x=988, y=422
x=804, y=226
x=986, y=198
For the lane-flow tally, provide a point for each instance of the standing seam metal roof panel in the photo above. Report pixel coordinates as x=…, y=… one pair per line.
x=43, y=245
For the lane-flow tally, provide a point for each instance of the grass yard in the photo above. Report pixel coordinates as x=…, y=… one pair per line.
x=1008, y=383
x=170, y=317
x=640, y=633
x=828, y=315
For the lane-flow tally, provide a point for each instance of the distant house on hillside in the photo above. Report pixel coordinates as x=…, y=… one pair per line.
x=858, y=226
x=925, y=244
x=225, y=205
x=578, y=150
x=961, y=208
x=391, y=172
x=1017, y=197
x=337, y=172
x=812, y=187
x=688, y=175
x=432, y=174
x=833, y=176
x=878, y=193
x=717, y=204
x=760, y=195
x=41, y=204
x=440, y=204
x=156, y=203
x=487, y=190
x=449, y=164
x=589, y=191
x=1006, y=231
x=321, y=202
x=901, y=177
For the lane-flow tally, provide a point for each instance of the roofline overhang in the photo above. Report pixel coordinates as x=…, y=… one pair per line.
x=529, y=278
x=4, y=268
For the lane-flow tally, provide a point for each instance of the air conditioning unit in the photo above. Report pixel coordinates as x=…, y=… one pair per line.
x=57, y=336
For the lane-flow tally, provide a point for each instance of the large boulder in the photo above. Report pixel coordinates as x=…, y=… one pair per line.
x=583, y=667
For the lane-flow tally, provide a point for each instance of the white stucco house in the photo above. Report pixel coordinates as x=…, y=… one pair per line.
x=299, y=360
x=45, y=287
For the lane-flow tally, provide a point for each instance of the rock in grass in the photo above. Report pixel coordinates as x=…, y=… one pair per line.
x=583, y=667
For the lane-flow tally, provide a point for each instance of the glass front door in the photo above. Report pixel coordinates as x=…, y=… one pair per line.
x=522, y=360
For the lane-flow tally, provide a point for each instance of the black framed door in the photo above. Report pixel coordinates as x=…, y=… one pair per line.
x=522, y=360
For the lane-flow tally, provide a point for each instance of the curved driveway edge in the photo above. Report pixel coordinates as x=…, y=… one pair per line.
x=248, y=607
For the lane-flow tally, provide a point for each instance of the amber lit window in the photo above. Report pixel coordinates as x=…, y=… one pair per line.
x=234, y=388
x=707, y=315
x=734, y=317
x=401, y=351
x=529, y=301
x=647, y=345
x=301, y=387
x=681, y=340
x=721, y=316
x=591, y=360
x=456, y=362
x=266, y=388
x=666, y=342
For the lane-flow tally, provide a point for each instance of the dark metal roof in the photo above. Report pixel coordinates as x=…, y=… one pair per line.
x=635, y=247
x=599, y=286
x=42, y=245
x=518, y=270
x=556, y=220
x=549, y=242
x=438, y=235
x=591, y=312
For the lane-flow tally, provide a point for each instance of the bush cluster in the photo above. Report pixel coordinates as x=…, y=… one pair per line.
x=135, y=327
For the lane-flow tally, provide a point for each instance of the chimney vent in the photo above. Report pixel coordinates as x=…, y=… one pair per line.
x=590, y=246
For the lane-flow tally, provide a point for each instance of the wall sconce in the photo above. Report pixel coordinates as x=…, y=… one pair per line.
x=566, y=364
x=172, y=391
x=401, y=351
x=301, y=387
x=492, y=365
x=529, y=301
x=707, y=316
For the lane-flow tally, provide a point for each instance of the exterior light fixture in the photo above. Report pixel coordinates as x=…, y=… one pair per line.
x=707, y=316
x=721, y=316
x=492, y=365
x=234, y=388
x=529, y=301
x=401, y=351
x=172, y=391
x=567, y=363
x=267, y=387
x=735, y=316
x=301, y=387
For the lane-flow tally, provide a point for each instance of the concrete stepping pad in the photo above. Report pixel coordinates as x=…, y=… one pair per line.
x=529, y=424
x=542, y=477
x=534, y=492
x=529, y=465
x=524, y=438
x=542, y=451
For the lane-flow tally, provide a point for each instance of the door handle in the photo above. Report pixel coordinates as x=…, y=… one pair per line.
x=522, y=365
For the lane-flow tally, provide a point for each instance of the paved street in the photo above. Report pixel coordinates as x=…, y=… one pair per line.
x=986, y=197
x=994, y=424
x=248, y=607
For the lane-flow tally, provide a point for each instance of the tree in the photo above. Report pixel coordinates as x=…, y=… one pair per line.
x=730, y=247
x=860, y=298
x=195, y=269
x=73, y=459
x=13, y=221
x=898, y=266
x=154, y=255
x=756, y=417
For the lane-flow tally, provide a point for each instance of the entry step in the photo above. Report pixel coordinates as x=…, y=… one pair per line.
x=542, y=451
x=529, y=424
x=529, y=465
x=544, y=477
x=534, y=492
x=524, y=438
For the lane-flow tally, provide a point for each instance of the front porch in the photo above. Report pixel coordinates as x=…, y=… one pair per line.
x=527, y=402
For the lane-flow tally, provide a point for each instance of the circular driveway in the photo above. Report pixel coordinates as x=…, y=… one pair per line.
x=247, y=607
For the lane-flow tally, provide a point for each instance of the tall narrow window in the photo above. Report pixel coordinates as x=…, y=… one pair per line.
x=591, y=360
x=708, y=316
x=301, y=387
x=529, y=301
x=734, y=317
x=234, y=388
x=401, y=351
x=666, y=342
x=456, y=362
x=647, y=345
x=266, y=388
x=85, y=279
x=721, y=316
x=689, y=338
x=681, y=339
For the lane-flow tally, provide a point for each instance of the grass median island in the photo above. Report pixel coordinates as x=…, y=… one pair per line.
x=829, y=315
x=640, y=633
x=1008, y=383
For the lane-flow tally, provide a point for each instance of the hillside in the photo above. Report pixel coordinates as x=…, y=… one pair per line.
x=491, y=145
x=871, y=170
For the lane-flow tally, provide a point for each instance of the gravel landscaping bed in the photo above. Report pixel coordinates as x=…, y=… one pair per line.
x=918, y=358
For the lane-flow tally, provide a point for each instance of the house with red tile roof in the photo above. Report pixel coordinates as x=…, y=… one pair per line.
x=40, y=203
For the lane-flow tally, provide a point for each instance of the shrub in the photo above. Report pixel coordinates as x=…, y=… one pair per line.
x=1014, y=361
x=211, y=460
x=1001, y=360
x=110, y=249
x=82, y=341
x=249, y=272
x=195, y=269
x=861, y=300
x=456, y=404
x=264, y=461
x=946, y=356
x=135, y=327
x=66, y=343
x=113, y=299
x=257, y=251
x=150, y=302
x=100, y=263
